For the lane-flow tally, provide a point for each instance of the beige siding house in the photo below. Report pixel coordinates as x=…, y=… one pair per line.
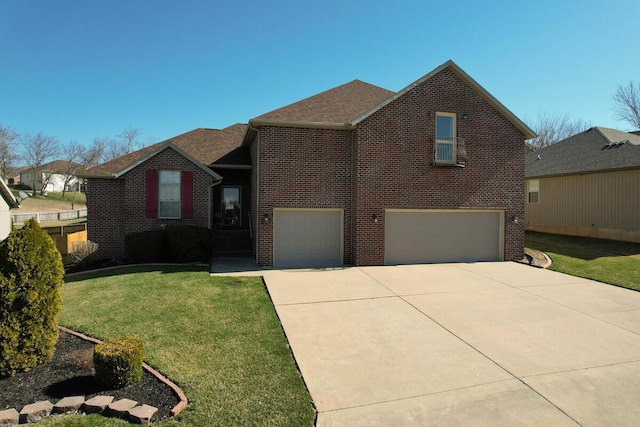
x=586, y=185
x=7, y=202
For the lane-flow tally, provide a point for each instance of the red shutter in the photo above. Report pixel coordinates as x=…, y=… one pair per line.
x=151, y=206
x=187, y=194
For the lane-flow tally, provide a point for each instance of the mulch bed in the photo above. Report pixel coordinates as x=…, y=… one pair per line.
x=70, y=373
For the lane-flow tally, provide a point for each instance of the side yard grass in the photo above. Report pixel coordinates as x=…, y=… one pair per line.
x=218, y=338
x=608, y=261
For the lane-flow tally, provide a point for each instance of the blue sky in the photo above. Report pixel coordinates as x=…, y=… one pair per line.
x=83, y=69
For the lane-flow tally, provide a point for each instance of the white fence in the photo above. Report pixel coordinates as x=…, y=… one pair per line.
x=48, y=216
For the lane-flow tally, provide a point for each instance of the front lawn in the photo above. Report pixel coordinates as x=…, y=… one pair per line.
x=218, y=338
x=608, y=261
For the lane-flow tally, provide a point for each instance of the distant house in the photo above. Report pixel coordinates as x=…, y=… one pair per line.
x=7, y=202
x=586, y=185
x=354, y=175
x=56, y=176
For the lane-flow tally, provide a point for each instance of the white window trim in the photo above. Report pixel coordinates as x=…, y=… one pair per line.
x=533, y=186
x=160, y=201
x=452, y=142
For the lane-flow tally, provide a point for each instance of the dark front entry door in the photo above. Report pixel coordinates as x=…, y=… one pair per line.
x=231, y=209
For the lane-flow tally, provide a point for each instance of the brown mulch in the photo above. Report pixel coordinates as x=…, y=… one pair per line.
x=70, y=373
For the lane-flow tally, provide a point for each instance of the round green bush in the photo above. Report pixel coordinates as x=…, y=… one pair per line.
x=31, y=275
x=118, y=362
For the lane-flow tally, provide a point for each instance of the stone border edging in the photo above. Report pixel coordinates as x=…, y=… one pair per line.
x=548, y=261
x=183, y=399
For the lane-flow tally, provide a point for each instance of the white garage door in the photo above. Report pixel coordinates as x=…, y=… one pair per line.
x=415, y=237
x=307, y=237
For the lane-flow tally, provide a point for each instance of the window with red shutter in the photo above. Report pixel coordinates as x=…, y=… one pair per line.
x=187, y=194
x=151, y=188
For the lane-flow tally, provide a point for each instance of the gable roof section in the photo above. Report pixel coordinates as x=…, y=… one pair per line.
x=345, y=106
x=56, y=166
x=335, y=107
x=203, y=147
x=462, y=75
x=595, y=150
x=8, y=196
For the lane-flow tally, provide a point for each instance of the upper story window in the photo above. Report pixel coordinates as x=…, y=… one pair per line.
x=533, y=190
x=445, y=141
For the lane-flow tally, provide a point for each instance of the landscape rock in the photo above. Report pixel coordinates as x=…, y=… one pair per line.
x=97, y=404
x=68, y=405
x=120, y=408
x=9, y=417
x=35, y=411
x=142, y=414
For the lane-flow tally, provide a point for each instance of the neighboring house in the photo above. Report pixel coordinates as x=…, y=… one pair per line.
x=14, y=176
x=55, y=176
x=7, y=202
x=354, y=175
x=586, y=185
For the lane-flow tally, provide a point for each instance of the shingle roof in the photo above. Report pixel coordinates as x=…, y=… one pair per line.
x=346, y=105
x=206, y=146
x=595, y=150
x=339, y=105
x=56, y=166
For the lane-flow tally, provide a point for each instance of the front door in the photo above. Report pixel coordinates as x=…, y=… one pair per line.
x=231, y=209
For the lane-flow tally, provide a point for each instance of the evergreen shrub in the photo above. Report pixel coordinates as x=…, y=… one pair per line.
x=118, y=363
x=31, y=275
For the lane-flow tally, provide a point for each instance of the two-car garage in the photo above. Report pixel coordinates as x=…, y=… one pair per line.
x=433, y=236
x=314, y=237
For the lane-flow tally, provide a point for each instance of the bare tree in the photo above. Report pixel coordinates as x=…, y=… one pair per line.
x=95, y=153
x=113, y=149
x=73, y=155
x=129, y=139
x=38, y=149
x=552, y=128
x=627, y=103
x=9, y=156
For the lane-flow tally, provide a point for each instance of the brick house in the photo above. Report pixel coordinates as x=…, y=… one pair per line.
x=354, y=175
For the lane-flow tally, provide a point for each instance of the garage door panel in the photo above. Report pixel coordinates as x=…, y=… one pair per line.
x=307, y=238
x=413, y=237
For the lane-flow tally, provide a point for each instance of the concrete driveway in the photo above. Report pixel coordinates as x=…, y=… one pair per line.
x=495, y=344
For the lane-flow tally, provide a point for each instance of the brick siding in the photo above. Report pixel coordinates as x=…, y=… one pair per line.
x=302, y=168
x=116, y=207
x=386, y=164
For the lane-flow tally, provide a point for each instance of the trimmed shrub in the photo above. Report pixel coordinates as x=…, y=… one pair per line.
x=190, y=244
x=143, y=247
x=175, y=244
x=118, y=363
x=31, y=275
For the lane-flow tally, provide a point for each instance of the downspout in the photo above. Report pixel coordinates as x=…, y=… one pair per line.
x=257, y=169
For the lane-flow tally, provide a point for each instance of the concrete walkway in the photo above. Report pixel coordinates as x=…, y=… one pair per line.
x=495, y=344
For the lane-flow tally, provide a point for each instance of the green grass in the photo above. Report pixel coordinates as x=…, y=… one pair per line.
x=55, y=196
x=218, y=338
x=608, y=261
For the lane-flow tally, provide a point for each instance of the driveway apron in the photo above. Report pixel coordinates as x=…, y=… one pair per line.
x=495, y=344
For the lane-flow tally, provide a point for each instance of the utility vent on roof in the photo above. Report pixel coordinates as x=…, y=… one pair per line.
x=614, y=145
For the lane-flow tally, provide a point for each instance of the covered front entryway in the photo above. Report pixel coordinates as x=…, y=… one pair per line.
x=307, y=237
x=433, y=236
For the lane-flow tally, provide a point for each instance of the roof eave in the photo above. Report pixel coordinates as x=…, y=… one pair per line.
x=254, y=124
x=584, y=172
x=151, y=154
x=293, y=124
x=8, y=196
